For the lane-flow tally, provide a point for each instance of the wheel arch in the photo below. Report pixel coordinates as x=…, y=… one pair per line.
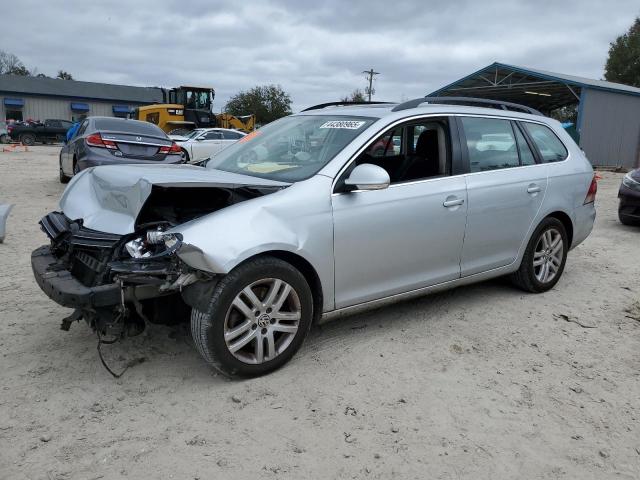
x=305, y=268
x=566, y=221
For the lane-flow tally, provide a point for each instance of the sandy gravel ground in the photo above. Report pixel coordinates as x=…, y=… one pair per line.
x=480, y=382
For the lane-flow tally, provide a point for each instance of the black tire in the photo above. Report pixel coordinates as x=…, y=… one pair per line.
x=525, y=278
x=628, y=220
x=185, y=156
x=62, y=176
x=76, y=167
x=207, y=328
x=4, y=138
x=28, y=139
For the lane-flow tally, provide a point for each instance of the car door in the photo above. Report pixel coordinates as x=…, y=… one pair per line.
x=206, y=145
x=406, y=236
x=505, y=190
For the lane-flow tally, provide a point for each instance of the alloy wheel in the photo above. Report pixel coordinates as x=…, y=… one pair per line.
x=262, y=321
x=547, y=256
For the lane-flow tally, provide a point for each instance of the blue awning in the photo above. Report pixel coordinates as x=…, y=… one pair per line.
x=121, y=109
x=80, y=107
x=14, y=102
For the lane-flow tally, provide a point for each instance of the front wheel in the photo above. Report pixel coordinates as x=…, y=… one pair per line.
x=28, y=139
x=256, y=320
x=184, y=156
x=63, y=177
x=4, y=138
x=544, y=259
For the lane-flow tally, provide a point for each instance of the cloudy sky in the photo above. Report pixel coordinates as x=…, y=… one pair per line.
x=315, y=49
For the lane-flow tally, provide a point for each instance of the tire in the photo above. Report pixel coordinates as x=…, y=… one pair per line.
x=221, y=317
x=4, y=138
x=76, y=167
x=28, y=139
x=62, y=176
x=530, y=277
x=628, y=220
x=185, y=156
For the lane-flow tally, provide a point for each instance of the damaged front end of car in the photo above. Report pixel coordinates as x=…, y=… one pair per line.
x=116, y=283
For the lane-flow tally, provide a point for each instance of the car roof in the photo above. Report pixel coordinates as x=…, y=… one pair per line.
x=379, y=111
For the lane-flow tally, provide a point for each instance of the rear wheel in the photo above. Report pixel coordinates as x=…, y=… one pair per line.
x=256, y=319
x=63, y=177
x=544, y=259
x=28, y=139
x=76, y=167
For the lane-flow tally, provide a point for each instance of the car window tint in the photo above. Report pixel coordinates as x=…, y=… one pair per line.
x=550, y=147
x=129, y=126
x=54, y=124
x=231, y=135
x=490, y=143
x=213, y=135
x=526, y=155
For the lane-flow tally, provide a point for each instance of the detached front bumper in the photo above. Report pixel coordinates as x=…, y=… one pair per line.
x=61, y=287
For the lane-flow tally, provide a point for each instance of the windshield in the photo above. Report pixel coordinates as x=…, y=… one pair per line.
x=292, y=148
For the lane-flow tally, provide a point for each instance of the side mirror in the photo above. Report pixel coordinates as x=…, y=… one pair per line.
x=368, y=177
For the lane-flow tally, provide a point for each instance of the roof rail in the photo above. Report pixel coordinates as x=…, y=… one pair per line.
x=470, y=101
x=335, y=104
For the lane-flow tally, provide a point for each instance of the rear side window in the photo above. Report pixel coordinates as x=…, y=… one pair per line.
x=526, y=155
x=490, y=143
x=214, y=135
x=549, y=145
x=129, y=126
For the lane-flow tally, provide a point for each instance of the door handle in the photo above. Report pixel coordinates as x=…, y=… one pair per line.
x=453, y=202
x=533, y=188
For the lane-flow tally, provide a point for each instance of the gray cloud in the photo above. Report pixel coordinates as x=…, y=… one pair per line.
x=315, y=49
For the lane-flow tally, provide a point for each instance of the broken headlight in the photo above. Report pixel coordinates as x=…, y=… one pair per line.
x=155, y=243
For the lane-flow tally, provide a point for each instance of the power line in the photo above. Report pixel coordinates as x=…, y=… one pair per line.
x=370, y=90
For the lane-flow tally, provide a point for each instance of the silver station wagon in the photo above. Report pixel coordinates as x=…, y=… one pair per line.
x=334, y=210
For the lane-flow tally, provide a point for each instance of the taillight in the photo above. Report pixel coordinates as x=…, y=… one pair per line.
x=593, y=189
x=96, y=140
x=174, y=148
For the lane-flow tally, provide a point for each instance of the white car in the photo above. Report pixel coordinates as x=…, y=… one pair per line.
x=202, y=143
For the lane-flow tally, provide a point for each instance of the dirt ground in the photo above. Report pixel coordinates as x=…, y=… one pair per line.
x=479, y=382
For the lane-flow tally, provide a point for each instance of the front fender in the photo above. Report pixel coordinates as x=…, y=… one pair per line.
x=297, y=220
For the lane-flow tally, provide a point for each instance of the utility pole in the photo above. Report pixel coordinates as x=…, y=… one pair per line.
x=370, y=90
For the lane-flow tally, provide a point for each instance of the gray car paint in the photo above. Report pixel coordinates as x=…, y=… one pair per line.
x=381, y=253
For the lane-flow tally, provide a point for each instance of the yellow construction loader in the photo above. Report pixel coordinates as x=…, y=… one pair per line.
x=189, y=107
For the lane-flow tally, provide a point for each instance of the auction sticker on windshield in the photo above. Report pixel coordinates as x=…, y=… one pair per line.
x=347, y=124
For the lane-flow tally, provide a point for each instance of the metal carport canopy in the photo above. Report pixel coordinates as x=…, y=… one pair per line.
x=539, y=89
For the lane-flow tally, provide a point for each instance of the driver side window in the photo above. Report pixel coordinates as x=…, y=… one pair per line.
x=413, y=151
x=213, y=136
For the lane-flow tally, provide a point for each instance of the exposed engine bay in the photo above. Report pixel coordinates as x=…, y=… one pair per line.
x=118, y=283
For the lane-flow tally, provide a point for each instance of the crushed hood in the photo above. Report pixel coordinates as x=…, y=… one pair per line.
x=110, y=198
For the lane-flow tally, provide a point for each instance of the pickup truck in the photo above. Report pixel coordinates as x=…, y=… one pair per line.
x=48, y=131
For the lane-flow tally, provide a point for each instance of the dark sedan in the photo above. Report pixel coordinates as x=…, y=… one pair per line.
x=629, y=195
x=115, y=141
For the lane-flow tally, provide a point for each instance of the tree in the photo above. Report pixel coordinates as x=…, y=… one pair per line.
x=623, y=64
x=12, y=65
x=356, y=96
x=62, y=75
x=266, y=102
